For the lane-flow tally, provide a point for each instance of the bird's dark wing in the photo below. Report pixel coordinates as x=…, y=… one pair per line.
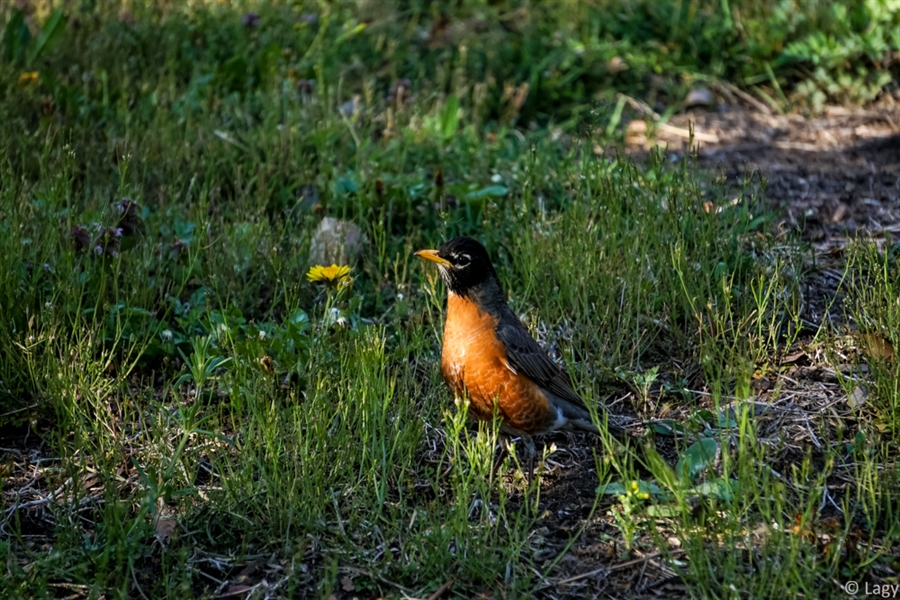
x=526, y=356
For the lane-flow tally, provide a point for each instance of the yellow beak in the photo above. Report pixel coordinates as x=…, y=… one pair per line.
x=432, y=255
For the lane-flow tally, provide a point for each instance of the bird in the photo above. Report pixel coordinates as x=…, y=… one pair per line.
x=489, y=357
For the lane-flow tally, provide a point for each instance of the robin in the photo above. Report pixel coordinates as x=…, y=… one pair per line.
x=488, y=354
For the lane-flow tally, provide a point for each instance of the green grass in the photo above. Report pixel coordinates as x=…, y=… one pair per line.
x=179, y=405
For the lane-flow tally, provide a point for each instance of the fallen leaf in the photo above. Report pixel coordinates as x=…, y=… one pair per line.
x=165, y=528
x=347, y=584
x=877, y=347
x=792, y=358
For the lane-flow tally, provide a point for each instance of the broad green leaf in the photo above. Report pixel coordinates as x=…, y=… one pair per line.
x=725, y=421
x=450, y=120
x=667, y=427
x=493, y=191
x=16, y=37
x=346, y=184
x=50, y=35
x=705, y=415
x=697, y=457
x=299, y=316
x=722, y=489
x=612, y=489
x=663, y=511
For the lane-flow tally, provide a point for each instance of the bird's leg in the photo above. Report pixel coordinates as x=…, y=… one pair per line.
x=529, y=449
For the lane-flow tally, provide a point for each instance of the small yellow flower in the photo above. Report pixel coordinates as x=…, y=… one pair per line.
x=29, y=77
x=330, y=275
x=634, y=486
x=644, y=495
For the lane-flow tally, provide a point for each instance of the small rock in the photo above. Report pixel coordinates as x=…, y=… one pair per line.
x=698, y=97
x=839, y=213
x=336, y=242
x=857, y=397
x=350, y=107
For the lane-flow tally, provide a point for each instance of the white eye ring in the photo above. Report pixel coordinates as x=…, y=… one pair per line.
x=463, y=260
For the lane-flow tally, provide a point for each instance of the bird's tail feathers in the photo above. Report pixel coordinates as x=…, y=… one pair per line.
x=577, y=417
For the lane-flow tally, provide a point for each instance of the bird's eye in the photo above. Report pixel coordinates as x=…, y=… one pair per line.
x=463, y=260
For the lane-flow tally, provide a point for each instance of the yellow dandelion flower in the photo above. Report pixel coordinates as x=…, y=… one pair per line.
x=634, y=486
x=329, y=275
x=29, y=77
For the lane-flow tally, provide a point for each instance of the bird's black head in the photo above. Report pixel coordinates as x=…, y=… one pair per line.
x=464, y=263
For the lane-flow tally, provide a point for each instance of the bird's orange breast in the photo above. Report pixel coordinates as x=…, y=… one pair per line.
x=474, y=364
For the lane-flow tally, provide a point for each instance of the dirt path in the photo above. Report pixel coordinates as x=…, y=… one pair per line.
x=832, y=176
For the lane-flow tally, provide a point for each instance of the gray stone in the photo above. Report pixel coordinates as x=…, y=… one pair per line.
x=698, y=97
x=336, y=242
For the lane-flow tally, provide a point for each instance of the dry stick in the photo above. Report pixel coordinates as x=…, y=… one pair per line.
x=731, y=88
x=18, y=410
x=241, y=591
x=642, y=107
x=618, y=567
x=40, y=502
x=710, y=138
x=441, y=590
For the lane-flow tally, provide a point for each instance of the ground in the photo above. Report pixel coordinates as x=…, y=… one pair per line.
x=193, y=403
x=830, y=178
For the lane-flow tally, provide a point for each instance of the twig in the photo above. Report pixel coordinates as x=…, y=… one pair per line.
x=41, y=502
x=641, y=107
x=709, y=138
x=618, y=567
x=441, y=590
x=18, y=410
x=733, y=89
x=797, y=146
